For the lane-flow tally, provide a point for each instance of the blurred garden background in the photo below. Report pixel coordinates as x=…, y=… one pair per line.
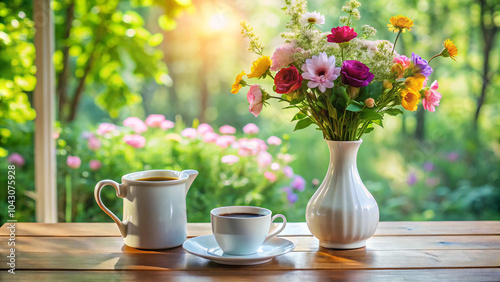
x=146, y=85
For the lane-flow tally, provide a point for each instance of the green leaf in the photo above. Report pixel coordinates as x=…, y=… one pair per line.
x=339, y=98
x=369, y=114
x=378, y=122
x=393, y=112
x=354, y=108
x=155, y=40
x=166, y=23
x=299, y=116
x=373, y=90
x=321, y=104
x=303, y=124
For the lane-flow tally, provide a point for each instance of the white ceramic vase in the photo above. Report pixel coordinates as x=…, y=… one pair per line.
x=342, y=213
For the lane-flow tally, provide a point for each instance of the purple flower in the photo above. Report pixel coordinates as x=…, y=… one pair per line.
x=428, y=166
x=292, y=198
x=87, y=135
x=453, y=156
x=288, y=171
x=412, y=179
x=420, y=65
x=16, y=159
x=298, y=183
x=356, y=74
x=73, y=162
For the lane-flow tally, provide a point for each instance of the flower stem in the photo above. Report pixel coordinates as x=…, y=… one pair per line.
x=395, y=41
x=435, y=56
x=68, y=198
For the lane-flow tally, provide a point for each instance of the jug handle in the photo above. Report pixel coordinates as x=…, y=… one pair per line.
x=191, y=173
x=120, y=192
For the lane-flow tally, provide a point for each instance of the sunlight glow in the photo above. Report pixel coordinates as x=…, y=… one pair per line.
x=217, y=21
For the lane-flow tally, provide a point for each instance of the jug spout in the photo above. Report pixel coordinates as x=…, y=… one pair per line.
x=191, y=173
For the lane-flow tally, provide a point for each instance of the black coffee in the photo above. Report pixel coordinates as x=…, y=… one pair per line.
x=241, y=215
x=157, y=178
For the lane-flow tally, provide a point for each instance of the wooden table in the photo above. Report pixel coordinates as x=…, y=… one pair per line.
x=424, y=251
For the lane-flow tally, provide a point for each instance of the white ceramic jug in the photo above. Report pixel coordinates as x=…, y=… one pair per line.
x=154, y=212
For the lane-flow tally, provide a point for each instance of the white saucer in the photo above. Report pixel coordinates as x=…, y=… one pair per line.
x=206, y=247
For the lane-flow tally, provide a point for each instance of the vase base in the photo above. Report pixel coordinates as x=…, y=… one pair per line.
x=355, y=245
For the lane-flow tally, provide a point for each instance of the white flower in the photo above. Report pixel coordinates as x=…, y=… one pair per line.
x=312, y=18
x=320, y=71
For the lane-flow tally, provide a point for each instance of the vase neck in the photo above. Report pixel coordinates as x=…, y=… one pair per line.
x=343, y=153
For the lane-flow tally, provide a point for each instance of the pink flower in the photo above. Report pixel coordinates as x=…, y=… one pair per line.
x=210, y=137
x=230, y=159
x=224, y=141
x=105, y=128
x=95, y=165
x=189, y=133
x=73, y=162
x=251, y=128
x=288, y=171
x=204, y=129
x=275, y=166
x=264, y=159
x=93, y=143
x=55, y=135
x=167, y=124
x=254, y=97
x=16, y=159
x=273, y=140
x=432, y=97
x=270, y=176
x=453, y=156
x=134, y=140
x=137, y=124
x=283, y=56
x=320, y=71
x=285, y=157
x=298, y=183
x=227, y=129
x=403, y=61
x=315, y=182
x=250, y=147
x=341, y=34
x=155, y=120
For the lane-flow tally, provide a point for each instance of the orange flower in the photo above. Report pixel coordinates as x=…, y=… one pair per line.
x=260, y=67
x=409, y=99
x=400, y=23
x=450, y=50
x=237, y=85
x=398, y=70
x=415, y=82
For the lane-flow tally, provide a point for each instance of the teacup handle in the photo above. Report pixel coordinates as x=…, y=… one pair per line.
x=120, y=192
x=279, y=230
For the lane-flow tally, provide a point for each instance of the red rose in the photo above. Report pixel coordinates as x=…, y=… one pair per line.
x=341, y=34
x=287, y=80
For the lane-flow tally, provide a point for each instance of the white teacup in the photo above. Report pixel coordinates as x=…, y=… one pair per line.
x=241, y=230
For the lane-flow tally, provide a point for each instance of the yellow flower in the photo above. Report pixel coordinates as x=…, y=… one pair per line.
x=450, y=50
x=400, y=23
x=415, y=82
x=260, y=66
x=409, y=99
x=236, y=85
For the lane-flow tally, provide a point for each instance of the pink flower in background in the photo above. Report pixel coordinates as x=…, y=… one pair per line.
x=246, y=147
x=453, y=156
x=105, y=128
x=230, y=159
x=55, y=135
x=273, y=140
x=167, y=124
x=155, y=120
x=298, y=183
x=315, y=182
x=251, y=128
x=275, y=166
x=210, y=137
x=93, y=143
x=412, y=179
x=227, y=129
x=134, y=140
x=254, y=97
x=73, y=162
x=16, y=159
x=285, y=157
x=428, y=166
x=260, y=143
x=283, y=56
x=431, y=97
x=288, y=171
x=433, y=181
x=95, y=165
x=189, y=133
x=204, y=128
x=264, y=159
x=137, y=124
x=225, y=141
x=270, y=176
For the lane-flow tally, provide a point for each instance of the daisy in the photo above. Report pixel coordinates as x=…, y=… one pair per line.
x=312, y=18
x=320, y=71
x=400, y=24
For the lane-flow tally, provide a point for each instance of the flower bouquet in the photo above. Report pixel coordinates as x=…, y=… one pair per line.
x=341, y=81
x=344, y=83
